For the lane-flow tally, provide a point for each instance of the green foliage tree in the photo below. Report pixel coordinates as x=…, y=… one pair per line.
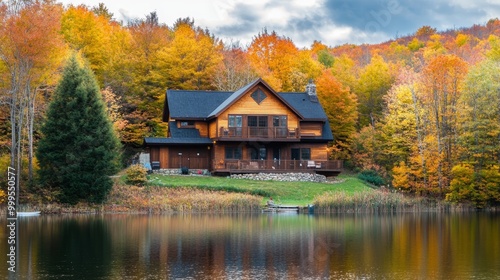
x=79, y=149
x=476, y=177
x=374, y=82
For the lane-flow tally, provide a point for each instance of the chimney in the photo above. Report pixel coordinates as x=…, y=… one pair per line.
x=311, y=91
x=311, y=88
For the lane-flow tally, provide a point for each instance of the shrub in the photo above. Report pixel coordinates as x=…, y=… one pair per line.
x=136, y=175
x=372, y=177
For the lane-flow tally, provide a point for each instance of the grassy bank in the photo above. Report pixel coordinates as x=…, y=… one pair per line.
x=151, y=199
x=296, y=193
x=378, y=201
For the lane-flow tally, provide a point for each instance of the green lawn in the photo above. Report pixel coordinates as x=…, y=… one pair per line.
x=294, y=193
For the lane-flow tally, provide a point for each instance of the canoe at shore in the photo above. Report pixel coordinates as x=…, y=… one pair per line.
x=281, y=208
x=27, y=214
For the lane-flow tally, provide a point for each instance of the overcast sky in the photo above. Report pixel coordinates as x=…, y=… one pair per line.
x=333, y=22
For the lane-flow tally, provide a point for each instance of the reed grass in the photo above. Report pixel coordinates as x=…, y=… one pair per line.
x=156, y=199
x=380, y=202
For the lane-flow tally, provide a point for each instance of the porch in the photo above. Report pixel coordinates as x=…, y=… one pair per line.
x=324, y=167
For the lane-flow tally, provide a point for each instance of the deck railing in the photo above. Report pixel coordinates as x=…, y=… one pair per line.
x=277, y=165
x=259, y=132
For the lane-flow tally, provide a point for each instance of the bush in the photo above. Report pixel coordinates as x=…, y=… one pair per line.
x=372, y=177
x=136, y=175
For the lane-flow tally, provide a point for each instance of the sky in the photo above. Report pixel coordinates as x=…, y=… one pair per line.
x=333, y=22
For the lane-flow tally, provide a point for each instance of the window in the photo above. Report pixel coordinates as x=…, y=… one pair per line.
x=187, y=123
x=233, y=153
x=301, y=154
x=235, y=121
x=257, y=121
x=258, y=153
x=258, y=96
x=279, y=121
x=305, y=153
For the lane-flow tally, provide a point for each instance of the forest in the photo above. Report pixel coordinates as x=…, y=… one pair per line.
x=420, y=113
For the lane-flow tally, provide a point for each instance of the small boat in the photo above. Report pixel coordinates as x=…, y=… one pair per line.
x=28, y=214
x=281, y=208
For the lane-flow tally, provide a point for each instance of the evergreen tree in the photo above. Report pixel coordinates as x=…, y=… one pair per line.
x=79, y=148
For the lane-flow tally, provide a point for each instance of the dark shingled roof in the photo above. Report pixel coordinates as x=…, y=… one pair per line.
x=189, y=104
x=310, y=110
x=183, y=132
x=193, y=104
x=327, y=132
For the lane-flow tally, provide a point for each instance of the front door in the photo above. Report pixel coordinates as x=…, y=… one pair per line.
x=276, y=158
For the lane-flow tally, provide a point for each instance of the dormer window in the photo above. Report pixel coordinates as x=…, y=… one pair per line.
x=187, y=123
x=258, y=96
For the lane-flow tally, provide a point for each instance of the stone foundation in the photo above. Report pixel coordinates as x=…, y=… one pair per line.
x=282, y=177
x=177, y=171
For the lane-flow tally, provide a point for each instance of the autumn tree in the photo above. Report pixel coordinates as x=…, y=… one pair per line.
x=274, y=59
x=190, y=60
x=442, y=80
x=28, y=61
x=374, y=82
x=143, y=99
x=79, y=149
x=234, y=71
x=340, y=107
x=476, y=177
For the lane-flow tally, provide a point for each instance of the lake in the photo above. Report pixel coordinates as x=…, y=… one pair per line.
x=257, y=246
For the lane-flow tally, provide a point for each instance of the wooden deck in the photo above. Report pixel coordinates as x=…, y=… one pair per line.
x=324, y=167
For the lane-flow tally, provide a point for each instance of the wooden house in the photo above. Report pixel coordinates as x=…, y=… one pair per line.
x=253, y=129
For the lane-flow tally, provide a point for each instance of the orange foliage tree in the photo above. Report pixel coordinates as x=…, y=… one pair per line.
x=340, y=107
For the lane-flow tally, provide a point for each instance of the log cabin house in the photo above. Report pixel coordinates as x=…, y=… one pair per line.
x=251, y=130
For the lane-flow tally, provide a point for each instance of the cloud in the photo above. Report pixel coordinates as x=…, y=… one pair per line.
x=345, y=21
x=332, y=22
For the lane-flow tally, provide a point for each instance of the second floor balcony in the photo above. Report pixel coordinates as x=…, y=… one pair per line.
x=259, y=133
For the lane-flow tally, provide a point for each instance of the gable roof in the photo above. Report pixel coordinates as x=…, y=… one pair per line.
x=239, y=93
x=202, y=105
x=232, y=98
x=310, y=110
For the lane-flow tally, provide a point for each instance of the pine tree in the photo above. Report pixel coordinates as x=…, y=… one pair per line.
x=79, y=148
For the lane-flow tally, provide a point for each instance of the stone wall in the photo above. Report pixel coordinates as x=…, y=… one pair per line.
x=177, y=171
x=282, y=177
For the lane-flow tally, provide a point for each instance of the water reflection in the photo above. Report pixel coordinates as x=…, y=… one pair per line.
x=253, y=246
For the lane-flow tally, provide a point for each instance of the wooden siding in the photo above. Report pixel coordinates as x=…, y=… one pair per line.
x=155, y=154
x=202, y=128
x=318, y=151
x=212, y=129
x=271, y=105
x=311, y=128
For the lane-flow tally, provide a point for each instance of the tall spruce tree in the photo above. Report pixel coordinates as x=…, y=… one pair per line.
x=79, y=148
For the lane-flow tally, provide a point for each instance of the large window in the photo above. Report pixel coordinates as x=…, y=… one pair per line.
x=301, y=154
x=235, y=122
x=233, y=153
x=258, y=126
